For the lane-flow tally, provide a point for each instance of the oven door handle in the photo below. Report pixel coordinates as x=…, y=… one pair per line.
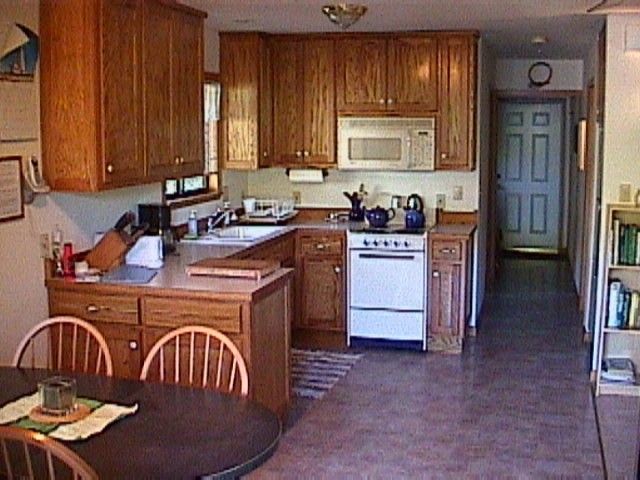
x=386, y=257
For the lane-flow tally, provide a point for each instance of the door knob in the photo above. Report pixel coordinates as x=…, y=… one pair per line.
x=436, y=274
x=133, y=345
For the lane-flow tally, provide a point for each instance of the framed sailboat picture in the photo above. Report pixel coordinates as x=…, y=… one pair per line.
x=19, y=46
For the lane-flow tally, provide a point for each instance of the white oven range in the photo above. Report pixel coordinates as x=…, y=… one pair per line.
x=387, y=297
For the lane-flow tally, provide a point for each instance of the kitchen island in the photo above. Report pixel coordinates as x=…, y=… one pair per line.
x=256, y=315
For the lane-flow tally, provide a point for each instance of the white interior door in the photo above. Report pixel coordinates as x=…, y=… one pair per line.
x=528, y=170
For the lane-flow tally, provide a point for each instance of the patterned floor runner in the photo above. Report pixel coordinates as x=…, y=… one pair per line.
x=316, y=371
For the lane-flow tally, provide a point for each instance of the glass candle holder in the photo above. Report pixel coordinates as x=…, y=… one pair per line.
x=57, y=395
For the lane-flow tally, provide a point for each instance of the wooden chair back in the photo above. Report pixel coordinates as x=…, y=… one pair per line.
x=197, y=356
x=27, y=454
x=65, y=343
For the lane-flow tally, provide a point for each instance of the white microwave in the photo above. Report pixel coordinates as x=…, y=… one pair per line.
x=386, y=143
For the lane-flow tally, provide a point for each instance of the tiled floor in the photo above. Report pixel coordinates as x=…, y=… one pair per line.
x=516, y=404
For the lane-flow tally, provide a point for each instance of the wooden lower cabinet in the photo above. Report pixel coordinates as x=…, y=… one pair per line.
x=125, y=347
x=449, y=292
x=321, y=285
x=258, y=325
x=445, y=299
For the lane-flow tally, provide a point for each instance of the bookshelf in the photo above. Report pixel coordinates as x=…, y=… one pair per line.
x=619, y=335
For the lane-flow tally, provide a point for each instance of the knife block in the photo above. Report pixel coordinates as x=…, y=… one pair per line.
x=109, y=252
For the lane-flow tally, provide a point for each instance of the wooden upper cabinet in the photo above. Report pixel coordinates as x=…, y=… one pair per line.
x=456, y=126
x=95, y=73
x=303, y=101
x=412, y=74
x=392, y=74
x=91, y=87
x=288, y=101
x=173, y=91
x=123, y=160
x=319, y=101
x=245, y=75
x=361, y=76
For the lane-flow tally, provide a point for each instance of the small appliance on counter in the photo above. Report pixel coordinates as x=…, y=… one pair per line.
x=158, y=217
x=414, y=212
x=147, y=252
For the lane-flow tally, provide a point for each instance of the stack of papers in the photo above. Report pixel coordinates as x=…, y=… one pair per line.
x=618, y=370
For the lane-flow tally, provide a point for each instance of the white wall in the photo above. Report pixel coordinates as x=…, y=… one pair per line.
x=23, y=298
x=512, y=74
x=621, y=160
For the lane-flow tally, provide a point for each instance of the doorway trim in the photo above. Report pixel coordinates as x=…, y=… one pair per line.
x=498, y=96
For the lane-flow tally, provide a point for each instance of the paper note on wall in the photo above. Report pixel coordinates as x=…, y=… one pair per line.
x=18, y=112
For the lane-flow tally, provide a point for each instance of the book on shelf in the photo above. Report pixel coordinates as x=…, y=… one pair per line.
x=626, y=244
x=623, y=306
x=618, y=370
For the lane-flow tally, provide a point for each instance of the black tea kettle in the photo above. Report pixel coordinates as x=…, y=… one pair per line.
x=414, y=216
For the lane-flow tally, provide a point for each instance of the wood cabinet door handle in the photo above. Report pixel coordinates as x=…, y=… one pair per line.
x=337, y=269
x=305, y=153
x=443, y=156
x=181, y=160
x=448, y=250
x=320, y=246
x=133, y=345
x=389, y=101
x=92, y=309
x=265, y=154
x=110, y=168
x=298, y=153
x=382, y=101
x=176, y=160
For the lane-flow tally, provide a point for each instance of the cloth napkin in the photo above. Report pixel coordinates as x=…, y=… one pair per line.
x=102, y=414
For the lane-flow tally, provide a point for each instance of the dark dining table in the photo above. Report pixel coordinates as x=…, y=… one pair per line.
x=177, y=432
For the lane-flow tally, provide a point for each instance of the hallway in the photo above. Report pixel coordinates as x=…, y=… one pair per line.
x=515, y=404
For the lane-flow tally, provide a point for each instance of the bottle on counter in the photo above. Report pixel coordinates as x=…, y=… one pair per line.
x=192, y=224
x=56, y=250
x=68, y=266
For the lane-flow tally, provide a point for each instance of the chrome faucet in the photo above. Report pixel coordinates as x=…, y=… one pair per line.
x=222, y=215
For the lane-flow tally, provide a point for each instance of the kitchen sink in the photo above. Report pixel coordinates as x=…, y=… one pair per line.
x=236, y=235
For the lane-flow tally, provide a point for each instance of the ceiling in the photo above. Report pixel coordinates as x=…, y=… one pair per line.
x=508, y=26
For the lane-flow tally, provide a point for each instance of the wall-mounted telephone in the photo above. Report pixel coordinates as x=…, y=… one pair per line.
x=33, y=174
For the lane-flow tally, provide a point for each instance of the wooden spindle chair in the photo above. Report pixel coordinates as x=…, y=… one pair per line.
x=27, y=454
x=68, y=344
x=197, y=356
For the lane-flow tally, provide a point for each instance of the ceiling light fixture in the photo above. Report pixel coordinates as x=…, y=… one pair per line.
x=539, y=40
x=344, y=14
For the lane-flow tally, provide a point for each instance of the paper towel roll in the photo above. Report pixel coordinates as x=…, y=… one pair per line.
x=305, y=176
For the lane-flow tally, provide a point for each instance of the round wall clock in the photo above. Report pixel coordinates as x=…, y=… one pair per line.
x=540, y=74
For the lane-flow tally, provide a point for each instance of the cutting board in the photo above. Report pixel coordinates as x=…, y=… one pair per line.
x=225, y=267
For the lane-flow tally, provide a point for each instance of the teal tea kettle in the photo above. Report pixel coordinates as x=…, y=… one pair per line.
x=414, y=216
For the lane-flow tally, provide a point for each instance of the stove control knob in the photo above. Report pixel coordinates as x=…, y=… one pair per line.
x=396, y=243
x=365, y=242
x=407, y=244
x=375, y=243
x=386, y=243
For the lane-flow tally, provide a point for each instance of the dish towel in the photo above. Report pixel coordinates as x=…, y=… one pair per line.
x=102, y=414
